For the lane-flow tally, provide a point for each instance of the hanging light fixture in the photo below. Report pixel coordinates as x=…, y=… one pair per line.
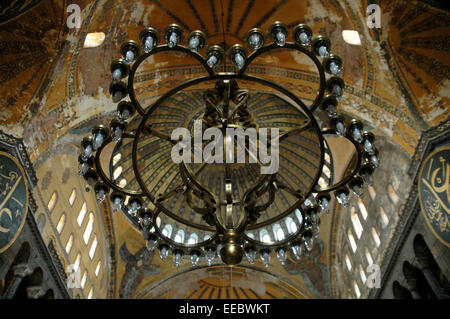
x=226, y=222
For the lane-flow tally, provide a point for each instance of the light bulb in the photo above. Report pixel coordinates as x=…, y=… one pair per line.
x=335, y=68
x=177, y=259
x=129, y=56
x=304, y=39
x=88, y=151
x=195, y=258
x=117, y=96
x=336, y=90
x=357, y=190
x=308, y=242
x=324, y=205
x=194, y=42
x=297, y=250
x=368, y=147
x=255, y=41
x=163, y=252
x=239, y=59
x=117, y=134
x=331, y=110
x=356, y=132
x=280, y=38
x=148, y=44
x=117, y=74
x=340, y=128
x=210, y=256
x=212, y=61
x=374, y=160
x=173, y=40
x=100, y=195
x=250, y=254
x=82, y=168
x=98, y=139
x=124, y=115
x=323, y=52
x=342, y=198
x=265, y=257
x=117, y=203
x=281, y=254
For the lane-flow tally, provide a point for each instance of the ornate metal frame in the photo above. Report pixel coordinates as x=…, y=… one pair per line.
x=230, y=236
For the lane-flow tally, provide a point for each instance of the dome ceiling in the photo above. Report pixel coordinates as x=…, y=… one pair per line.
x=53, y=90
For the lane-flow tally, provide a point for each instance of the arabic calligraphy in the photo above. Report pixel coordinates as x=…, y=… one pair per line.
x=13, y=200
x=434, y=192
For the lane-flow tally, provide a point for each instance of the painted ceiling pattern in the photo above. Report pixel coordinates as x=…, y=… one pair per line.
x=53, y=90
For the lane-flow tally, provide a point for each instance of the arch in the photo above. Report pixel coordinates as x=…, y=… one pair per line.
x=193, y=239
x=97, y=269
x=167, y=230
x=93, y=248
x=81, y=214
x=264, y=236
x=352, y=241
x=357, y=226
x=73, y=197
x=69, y=244
x=179, y=236
x=278, y=232
x=61, y=223
x=290, y=224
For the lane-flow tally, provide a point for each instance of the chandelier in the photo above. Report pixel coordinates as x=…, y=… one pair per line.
x=200, y=209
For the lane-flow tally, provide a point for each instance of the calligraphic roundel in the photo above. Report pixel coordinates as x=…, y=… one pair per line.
x=13, y=200
x=434, y=193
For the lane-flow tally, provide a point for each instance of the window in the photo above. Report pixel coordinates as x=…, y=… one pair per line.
x=81, y=214
x=97, y=269
x=372, y=192
x=117, y=172
x=94, y=39
x=357, y=292
x=123, y=182
x=193, y=239
x=326, y=171
x=368, y=257
x=83, y=279
x=69, y=244
x=322, y=182
x=179, y=237
x=117, y=158
x=167, y=231
x=91, y=293
x=392, y=194
x=76, y=264
x=291, y=225
x=356, y=223
x=362, y=208
x=61, y=223
x=158, y=221
x=278, y=232
x=264, y=236
x=88, y=230
x=375, y=237
x=348, y=263
x=52, y=202
x=72, y=197
x=384, y=218
x=362, y=274
x=352, y=240
x=93, y=247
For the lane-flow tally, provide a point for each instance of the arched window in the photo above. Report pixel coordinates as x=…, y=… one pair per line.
x=69, y=244
x=290, y=225
x=117, y=172
x=352, y=241
x=372, y=192
x=348, y=263
x=97, y=269
x=368, y=257
x=61, y=223
x=362, y=274
x=193, y=239
x=357, y=292
x=326, y=171
x=362, y=208
x=384, y=218
x=167, y=230
x=88, y=230
x=158, y=221
x=179, y=237
x=117, y=158
x=278, y=232
x=93, y=247
x=206, y=237
x=392, y=194
x=91, y=294
x=356, y=223
x=81, y=214
x=83, y=279
x=76, y=264
x=72, y=197
x=264, y=236
x=375, y=237
x=123, y=182
x=52, y=202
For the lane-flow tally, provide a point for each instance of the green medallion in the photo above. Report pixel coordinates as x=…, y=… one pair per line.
x=13, y=200
x=434, y=193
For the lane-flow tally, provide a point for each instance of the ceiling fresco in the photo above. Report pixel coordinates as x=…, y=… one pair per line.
x=53, y=90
